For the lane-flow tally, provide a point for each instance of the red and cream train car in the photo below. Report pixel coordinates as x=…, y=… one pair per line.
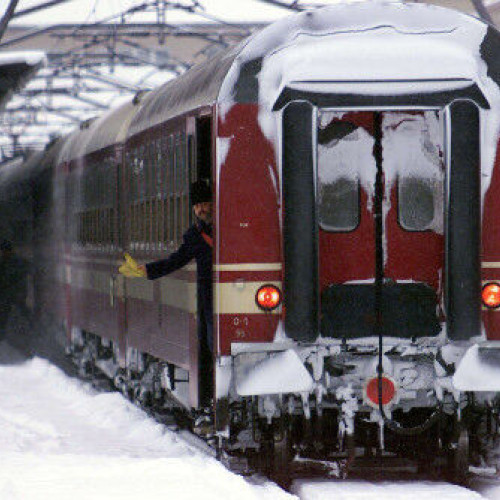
x=352, y=153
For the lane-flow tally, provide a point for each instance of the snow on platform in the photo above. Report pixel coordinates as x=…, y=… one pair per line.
x=60, y=439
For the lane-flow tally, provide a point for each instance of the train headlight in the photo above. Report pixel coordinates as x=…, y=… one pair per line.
x=268, y=297
x=491, y=295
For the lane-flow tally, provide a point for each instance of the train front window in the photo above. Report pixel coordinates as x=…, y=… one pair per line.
x=412, y=146
x=340, y=145
x=338, y=204
x=416, y=202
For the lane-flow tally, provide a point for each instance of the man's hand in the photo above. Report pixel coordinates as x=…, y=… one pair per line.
x=131, y=269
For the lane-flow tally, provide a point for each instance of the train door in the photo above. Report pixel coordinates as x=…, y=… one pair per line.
x=203, y=159
x=380, y=196
x=200, y=159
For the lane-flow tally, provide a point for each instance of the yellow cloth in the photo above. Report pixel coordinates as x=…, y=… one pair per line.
x=131, y=269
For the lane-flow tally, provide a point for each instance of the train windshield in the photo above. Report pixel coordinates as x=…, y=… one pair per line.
x=412, y=163
x=341, y=148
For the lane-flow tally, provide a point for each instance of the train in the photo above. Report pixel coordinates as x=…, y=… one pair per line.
x=352, y=152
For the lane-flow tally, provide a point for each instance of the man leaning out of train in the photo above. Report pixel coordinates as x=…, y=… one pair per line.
x=197, y=244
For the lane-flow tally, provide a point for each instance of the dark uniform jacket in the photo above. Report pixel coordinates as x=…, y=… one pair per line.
x=194, y=246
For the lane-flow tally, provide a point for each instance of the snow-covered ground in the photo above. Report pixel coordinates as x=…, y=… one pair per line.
x=61, y=439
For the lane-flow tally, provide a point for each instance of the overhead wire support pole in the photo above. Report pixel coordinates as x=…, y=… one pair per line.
x=36, y=8
x=91, y=47
x=92, y=74
x=291, y=6
x=161, y=19
x=7, y=16
x=483, y=12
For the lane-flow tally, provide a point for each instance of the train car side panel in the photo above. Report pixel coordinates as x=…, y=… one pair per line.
x=491, y=248
x=248, y=227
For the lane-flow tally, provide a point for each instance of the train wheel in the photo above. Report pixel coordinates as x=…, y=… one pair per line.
x=282, y=456
x=459, y=459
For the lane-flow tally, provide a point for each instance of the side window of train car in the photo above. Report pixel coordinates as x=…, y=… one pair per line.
x=144, y=218
x=338, y=182
x=140, y=199
x=171, y=190
x=135, y=196
x=179, y=187
x=151, y=194
x=164, y=190
x=191, y=173
x=158, y=194
x=87, y=193
x=175, y=193
x=109, y=233
x=135, y=191
x=191, y=159
x=84, y=206
x=96, y=203
x=73, y=208
x=154, y=198
x=147, y=196
x=91, y=195
x=185, y=185
x=127, y=185
x=101, y=180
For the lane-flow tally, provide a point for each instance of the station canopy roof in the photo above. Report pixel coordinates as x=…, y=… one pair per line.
x=16, y=69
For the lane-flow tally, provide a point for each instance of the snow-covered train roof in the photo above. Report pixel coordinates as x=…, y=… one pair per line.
x=197, y=87
x=97, y=134
x=363, y=42
x=339, y=44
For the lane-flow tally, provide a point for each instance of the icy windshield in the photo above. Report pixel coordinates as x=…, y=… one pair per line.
x=412, y=147
x=413, y=165
x=344, y=156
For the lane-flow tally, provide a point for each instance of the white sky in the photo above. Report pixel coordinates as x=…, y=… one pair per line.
x=93, y=10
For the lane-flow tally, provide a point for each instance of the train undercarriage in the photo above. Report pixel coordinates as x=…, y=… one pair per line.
x=332, y=430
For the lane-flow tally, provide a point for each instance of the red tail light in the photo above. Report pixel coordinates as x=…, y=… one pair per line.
x=388, y=391
x=268, y=297
x=491, y=295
